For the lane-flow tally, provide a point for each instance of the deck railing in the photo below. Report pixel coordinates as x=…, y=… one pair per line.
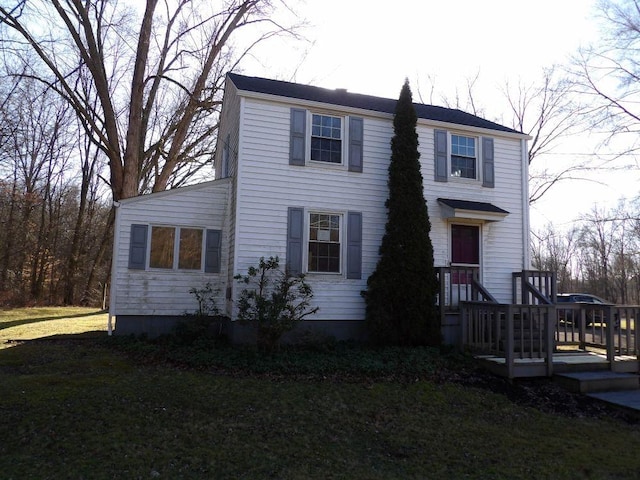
x=587, y=326
x=534, y=287
x=510, y=331
x=520, y=332
x=460, y=284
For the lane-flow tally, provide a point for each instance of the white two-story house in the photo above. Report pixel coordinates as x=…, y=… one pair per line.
x=301, y=173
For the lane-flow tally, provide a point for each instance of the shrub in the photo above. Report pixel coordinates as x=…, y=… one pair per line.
x=274, y=301
x=205, y=323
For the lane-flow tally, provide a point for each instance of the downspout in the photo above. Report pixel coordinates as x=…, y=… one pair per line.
x=114, y=262
x=526, y=258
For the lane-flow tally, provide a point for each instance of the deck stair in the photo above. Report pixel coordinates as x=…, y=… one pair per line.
x=620, y=389
x=597, y=381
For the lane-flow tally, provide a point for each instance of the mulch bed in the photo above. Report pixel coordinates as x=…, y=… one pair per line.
x=540, y=393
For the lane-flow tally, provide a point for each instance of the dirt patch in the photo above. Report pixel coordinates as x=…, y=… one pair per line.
x=540, y=393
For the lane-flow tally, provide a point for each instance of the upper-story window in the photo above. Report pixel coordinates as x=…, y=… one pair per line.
x=463, y=157
x=326, y=138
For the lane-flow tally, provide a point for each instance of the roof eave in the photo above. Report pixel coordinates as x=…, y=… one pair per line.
x=375, y=113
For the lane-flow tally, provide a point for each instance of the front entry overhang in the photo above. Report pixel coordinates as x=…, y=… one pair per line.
x=454, y=208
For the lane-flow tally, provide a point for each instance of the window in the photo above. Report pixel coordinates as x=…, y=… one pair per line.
x=163, y=248
x=324, y=243
x=190, y=253
x=465, y=244
x=323, y=139
x=463, y=156
x=173, y=248
x=326, y=138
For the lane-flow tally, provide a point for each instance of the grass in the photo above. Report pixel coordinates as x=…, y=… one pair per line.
x=103, y=407
x=30, y=323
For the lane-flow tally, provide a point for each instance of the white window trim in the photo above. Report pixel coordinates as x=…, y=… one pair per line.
x=176, y=248
x=478, y=145
x=343, y=165
x=305, y=251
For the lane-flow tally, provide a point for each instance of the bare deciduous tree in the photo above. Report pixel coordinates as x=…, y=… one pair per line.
x=543, y=109
x=607, y=75
x=554, y=250
x=144, y=83
x=547, y=111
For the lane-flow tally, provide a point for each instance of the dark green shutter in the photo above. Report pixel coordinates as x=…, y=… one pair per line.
x=355, y=144
x=298, y=134
x=212, y=251
x=354, y=245
x=488, y=177
x=295, y=227
x=138, y=247
x=441, y=156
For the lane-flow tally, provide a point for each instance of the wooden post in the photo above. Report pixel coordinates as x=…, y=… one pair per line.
x=508, y=354
x=636, y=332
x=610, y=334
x=550, y=317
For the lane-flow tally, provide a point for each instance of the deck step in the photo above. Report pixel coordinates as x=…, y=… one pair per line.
x=598, y=381
x=626, y=399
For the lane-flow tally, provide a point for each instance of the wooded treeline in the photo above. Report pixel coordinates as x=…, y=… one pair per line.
x=102, y=101
x=600, y=254
x=55, y=217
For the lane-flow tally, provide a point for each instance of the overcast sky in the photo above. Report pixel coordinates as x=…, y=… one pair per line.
x=371, y=47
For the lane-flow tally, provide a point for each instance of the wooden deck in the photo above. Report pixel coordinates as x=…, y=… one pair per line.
x=537, y=340
x=563, y=362
x=534, y=336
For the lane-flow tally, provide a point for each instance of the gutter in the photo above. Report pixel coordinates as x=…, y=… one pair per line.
x=114, y=261
x=526, y=256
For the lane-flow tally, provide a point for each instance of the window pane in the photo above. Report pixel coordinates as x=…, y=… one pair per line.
x=326, y=139
x=161, y=255
x=465, y=244
x=190, y=256
x=463, y=167
x=463, y=156
x=324, y=243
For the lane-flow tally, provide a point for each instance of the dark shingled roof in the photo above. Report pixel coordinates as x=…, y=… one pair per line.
x=356, y=100
x=469, y=205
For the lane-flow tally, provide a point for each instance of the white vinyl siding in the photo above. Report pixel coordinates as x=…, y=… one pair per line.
x=268, y=186
x=166, y=292
x=503, y=245
x=266, y=193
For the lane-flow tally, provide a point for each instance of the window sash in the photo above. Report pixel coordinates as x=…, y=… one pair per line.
x=162, y=247
x=464, y=159
x=190, y=252
x=324, y=251
x=326, y=138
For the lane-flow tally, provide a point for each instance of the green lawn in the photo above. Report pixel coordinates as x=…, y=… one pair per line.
x=97, y=407
x=29, y=323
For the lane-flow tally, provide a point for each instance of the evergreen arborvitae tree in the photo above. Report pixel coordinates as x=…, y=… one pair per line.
x=401, y=292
